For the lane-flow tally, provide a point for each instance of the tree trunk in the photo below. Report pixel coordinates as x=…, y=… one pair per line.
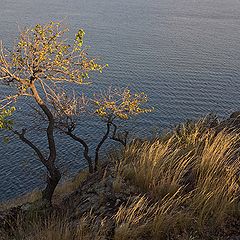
x=99, y=146
x=54, y=174
x=52, y=182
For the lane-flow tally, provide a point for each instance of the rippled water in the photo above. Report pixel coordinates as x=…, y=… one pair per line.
x=185, y=54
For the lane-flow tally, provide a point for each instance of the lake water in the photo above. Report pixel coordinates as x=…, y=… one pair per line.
x=185, y=54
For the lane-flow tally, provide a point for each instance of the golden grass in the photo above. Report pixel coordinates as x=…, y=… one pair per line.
x=195, y=163
x=151, y=220
x=56, y=227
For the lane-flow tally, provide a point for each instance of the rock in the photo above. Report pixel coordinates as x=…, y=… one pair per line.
x=36, y=206
x=235, y=115
x=234, y=238
x=232, y=123
x=26, y=207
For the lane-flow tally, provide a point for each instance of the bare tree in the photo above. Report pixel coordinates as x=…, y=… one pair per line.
x=108, y=106
x=42, y=59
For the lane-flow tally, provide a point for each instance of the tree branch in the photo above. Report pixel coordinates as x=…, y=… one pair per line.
x=100, y=145
x=30, y=144
x=117, y=138
x=85, y=146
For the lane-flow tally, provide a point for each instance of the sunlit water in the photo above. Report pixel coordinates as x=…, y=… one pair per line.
x=185, y=54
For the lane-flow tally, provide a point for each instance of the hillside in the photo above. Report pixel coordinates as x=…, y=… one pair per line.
x=183, y=184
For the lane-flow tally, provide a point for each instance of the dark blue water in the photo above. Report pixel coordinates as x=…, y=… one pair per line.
x=185, y=54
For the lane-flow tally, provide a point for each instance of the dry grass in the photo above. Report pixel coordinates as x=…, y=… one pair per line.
x=71, y=185
x=56, y=227
x=151, y=220
x=191, y=168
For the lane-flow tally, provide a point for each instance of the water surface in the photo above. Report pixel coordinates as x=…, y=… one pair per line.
x=185, y=54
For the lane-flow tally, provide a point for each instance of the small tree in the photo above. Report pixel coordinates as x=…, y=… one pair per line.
x=108, y=106
x=41, y=59
x=116, y=105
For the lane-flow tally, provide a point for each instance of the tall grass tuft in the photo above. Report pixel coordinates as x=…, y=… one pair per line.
x=193, y=162
x=55, y=227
